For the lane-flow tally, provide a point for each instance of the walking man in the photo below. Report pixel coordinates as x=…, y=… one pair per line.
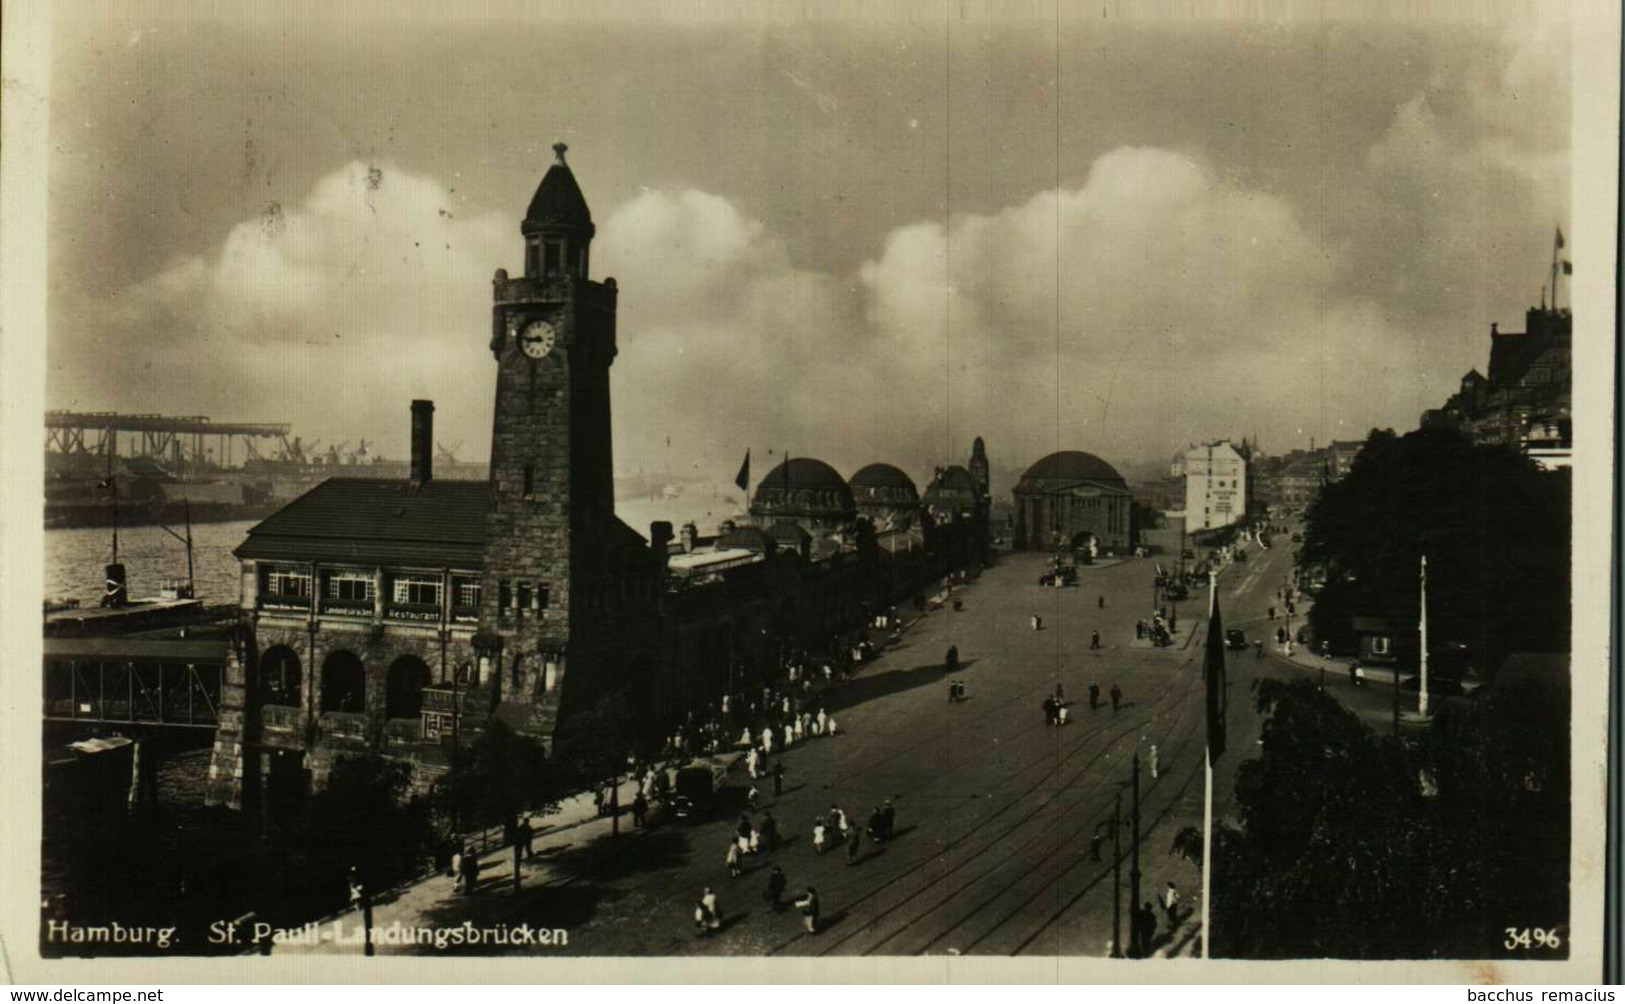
x=770, y=831
x=1154, y=762
x=1094, y=641
x=640, y=812
x=1117, y=696
x=1094, y=695
x=778, y=778
x=1038, y=623
x=1049, y=710
x=950, y=662
x=888, y=820
x=1103, y=603
x=854, y=841
x=527, y=835
x=774, y=893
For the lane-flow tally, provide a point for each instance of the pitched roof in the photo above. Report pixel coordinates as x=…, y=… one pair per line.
x=368, y=520
x=558, y=200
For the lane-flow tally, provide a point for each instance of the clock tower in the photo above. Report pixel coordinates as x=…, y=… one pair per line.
x=552, y=493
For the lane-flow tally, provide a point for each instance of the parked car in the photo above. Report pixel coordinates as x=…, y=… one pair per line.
x=1235, y=639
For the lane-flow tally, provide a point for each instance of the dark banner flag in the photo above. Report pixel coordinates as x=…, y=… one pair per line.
x=743, y=480
x=1214, y=669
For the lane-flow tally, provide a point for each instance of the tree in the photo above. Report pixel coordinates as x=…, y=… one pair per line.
x=1339, y=853
x=498, y=776
x=596, y=744
x=1494, y=527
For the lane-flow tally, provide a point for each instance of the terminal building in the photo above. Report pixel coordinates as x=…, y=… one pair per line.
x=400, y=617
x=1074, y=499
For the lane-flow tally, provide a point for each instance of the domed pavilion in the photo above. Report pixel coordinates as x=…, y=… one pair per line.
x=1072, y=498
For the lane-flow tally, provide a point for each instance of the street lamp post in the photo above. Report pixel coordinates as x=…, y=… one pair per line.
x=1117, y=875
x=1134, y=846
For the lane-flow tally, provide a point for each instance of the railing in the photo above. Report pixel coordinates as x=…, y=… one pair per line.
x=279, y=718
x=347, y=725
x=403, y=732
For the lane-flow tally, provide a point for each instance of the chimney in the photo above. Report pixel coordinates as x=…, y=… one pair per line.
x=422, y=441
x=660, y=540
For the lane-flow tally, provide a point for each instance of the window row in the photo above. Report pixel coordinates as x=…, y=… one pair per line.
x=291, y=585
x=343, y=683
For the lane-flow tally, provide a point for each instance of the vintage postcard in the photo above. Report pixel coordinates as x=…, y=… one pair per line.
x=1082, y=491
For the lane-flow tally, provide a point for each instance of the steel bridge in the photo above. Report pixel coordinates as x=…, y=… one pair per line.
x=175, y=683
x=177, y=437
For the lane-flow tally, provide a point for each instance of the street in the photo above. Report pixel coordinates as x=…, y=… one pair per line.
x=996, y=810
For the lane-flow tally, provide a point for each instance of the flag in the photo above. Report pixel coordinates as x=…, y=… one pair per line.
x=1568, y=267
x=743, y=478
x=1559, y=237
x=1214, y=671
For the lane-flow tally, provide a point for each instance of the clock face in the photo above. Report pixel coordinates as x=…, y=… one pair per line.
x=538, y=339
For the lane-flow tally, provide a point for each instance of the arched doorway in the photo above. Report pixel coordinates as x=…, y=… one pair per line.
x=344, y=683
x=403, y=695
x=280, y=676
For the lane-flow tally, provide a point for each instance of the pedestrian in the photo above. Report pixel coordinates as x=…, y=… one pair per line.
x=767, y=739
x=820, y=835
x=1155, y=764
x=801, y=727
x=751, y=797
x=877, y=826
x=1103, y=603
x=471, y=872
x=1139, y=630
x=1272, y=613
x=837, y=819
x=357, y=890
x=832, y=721
x=640, y=811
x=732, y=859
x=953, y=691
x=854, y=841
x=1060, y=714
x=774, y=893
x=1038, y=623
x=1170, y=903
x=1094, y=844
x=1145, y=929
x=1280, y=636
x=527, y=836
x=454, y=870
x=713, y=910
x=888, y=818
x=1049, y=711
x=1325, y=649
x=778, y=778
x=1094, y=641
x=950, y=662
x=1117, y=696
x=1094, y=695
x=808, y=905
x=751, y=762
x=769, y=831
x=743, y=831
x=789, y=735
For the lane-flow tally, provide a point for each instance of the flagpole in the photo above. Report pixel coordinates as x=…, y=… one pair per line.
x=1207, y=803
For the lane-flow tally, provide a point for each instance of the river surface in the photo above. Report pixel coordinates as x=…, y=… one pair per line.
x=74, y=559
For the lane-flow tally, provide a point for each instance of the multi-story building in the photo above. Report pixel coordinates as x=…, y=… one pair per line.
x=1215, y=486
x=1072, y=498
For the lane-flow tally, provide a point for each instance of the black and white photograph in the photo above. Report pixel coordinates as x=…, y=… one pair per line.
x=1122, y=485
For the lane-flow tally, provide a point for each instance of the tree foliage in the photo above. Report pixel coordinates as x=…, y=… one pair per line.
x=498, y=776
x=1494, y=527
x=1351, y=846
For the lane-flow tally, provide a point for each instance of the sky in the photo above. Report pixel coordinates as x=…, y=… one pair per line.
x=855, y=240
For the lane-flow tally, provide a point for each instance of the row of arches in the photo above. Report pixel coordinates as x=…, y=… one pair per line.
x=343, y=682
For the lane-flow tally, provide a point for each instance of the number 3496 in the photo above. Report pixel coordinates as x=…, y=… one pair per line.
x=1532, y=937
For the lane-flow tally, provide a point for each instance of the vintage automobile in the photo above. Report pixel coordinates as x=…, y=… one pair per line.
x=1235, y=639
x=697, y=788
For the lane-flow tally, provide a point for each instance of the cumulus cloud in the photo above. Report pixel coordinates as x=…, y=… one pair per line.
x=1151, y=304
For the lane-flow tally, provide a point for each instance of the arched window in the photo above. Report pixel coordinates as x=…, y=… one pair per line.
x=408, y=675
x=344, y=683
x=280, y=676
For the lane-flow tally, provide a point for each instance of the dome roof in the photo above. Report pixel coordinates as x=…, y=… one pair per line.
x=882, y=476
x=802, y=486
x=1072, y=465
x=953, y=488
x=802, y=472
x=558, y=200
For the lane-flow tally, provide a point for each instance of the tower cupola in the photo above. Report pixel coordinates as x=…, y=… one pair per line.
x=558, y=226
